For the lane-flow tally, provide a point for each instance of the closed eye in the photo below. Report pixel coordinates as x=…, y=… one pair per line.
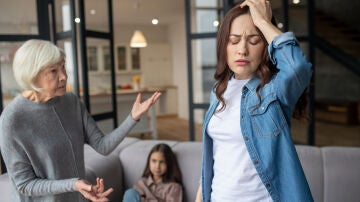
x=254, y=39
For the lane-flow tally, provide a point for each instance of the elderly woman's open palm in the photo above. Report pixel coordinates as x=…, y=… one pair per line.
x=140, y=108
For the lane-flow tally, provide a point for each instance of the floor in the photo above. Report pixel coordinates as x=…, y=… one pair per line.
x=326, y=134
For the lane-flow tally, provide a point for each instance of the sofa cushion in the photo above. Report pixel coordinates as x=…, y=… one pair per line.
x=133, y=159
x=189, y=158
x=311, y=161
x=341, y=173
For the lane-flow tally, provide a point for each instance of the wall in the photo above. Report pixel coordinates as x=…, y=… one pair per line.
x=155, y=35
x=177, y=38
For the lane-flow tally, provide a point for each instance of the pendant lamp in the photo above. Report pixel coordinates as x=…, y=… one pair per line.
x=138, y=40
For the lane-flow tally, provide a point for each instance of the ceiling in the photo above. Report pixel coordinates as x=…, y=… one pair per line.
x=124, y=11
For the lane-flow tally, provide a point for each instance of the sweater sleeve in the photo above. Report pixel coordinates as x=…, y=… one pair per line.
x=104, y=144
x=20, y=169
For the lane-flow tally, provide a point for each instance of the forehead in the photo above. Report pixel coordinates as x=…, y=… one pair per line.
x=157, y=155
x=243, y=24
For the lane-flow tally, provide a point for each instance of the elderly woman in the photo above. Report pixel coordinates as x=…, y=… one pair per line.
x=44, y=129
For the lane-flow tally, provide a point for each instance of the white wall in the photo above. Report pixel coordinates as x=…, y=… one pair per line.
x=177, y=38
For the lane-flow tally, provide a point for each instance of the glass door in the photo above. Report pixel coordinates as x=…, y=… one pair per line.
x=203, y=18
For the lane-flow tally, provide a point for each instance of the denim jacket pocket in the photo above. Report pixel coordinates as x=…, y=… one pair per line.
x=267, y=119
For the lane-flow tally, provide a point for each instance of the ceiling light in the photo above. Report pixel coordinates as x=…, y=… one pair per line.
x=296, y=1
x=77, y=20
x=92, y=11
x=155, y=21
x=138, y=40
x=216, y=23
x=280, y=25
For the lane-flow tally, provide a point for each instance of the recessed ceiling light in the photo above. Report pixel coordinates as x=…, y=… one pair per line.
x=280, y=25
x=77, y=20
x=92, y=11
x=155, y=21
x=296, y=1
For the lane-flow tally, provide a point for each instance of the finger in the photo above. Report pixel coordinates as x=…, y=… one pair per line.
x=101, y=186
x=106, y=193
x=156, y=97
x=89, y=188
x=88, y=195
x=138, y=98
x=101, y=200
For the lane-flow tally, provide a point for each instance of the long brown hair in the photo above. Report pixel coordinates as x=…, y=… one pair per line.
x=173, y=173
x=265, y=71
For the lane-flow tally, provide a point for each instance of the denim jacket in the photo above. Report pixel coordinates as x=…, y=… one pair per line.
x=266, y=126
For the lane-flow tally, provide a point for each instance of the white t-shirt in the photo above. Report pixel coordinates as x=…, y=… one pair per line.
x=235, y=177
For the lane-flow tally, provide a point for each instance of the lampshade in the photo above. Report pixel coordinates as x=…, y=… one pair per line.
x=138, y=40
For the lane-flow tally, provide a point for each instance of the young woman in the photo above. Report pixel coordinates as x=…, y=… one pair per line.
x=248, y=152
x=44, y=129
x=161, y=180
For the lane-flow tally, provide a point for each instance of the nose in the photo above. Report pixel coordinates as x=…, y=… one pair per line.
x=242, y=48
x=63, y=75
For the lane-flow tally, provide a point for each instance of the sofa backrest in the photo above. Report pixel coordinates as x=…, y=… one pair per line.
x=333, y=173
x=189, y=158
x=341, y=173
x=311, y=161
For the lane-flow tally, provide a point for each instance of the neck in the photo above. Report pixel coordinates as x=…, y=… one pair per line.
x=157, y=179
x=35, y=96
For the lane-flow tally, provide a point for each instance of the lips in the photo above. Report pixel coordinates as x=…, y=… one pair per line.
x=242, y=62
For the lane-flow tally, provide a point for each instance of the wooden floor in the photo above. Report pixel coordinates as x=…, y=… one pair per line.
x=326, y=134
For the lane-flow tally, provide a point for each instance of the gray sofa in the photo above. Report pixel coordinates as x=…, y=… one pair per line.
x=332, y=172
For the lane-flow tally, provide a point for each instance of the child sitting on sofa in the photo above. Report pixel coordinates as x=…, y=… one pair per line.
x=161, y=180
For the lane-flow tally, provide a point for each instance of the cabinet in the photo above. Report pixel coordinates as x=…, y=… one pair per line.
x=127, y=59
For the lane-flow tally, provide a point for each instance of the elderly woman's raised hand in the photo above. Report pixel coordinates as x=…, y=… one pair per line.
x=94, y=193
x=140, y=108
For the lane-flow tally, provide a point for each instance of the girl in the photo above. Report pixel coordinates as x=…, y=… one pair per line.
x=161, y=180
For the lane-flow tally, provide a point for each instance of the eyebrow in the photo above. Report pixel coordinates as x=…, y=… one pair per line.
x=240, y=35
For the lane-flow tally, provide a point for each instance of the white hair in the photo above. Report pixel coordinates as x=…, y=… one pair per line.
x=33, y=56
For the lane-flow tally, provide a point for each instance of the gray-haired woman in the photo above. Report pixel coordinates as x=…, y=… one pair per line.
x=44, y=129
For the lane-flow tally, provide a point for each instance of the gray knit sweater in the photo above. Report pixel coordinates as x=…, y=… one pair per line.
x=43, y=146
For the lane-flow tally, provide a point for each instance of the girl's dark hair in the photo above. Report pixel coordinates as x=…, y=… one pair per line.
x=173, y=173
x=266, y=68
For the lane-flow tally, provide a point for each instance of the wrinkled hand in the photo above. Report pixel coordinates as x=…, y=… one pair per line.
x=140, y=108
x=94, y=193
x=260, y=10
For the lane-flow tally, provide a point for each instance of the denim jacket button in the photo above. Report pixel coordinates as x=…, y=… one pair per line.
x=256, y=162
x=267, y=185
x=246, y=138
